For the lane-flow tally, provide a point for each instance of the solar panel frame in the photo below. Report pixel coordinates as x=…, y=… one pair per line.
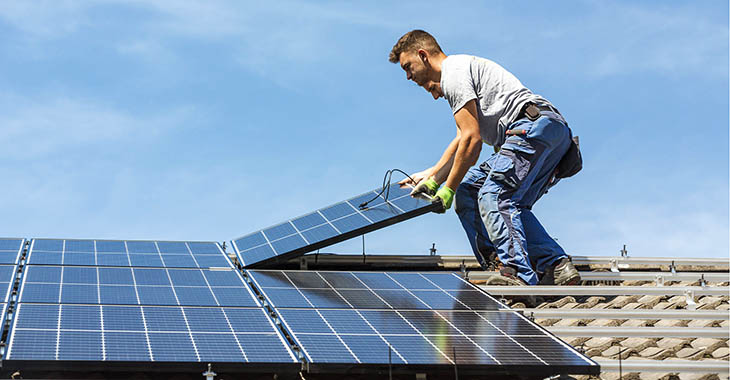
x=135, y=253
x=428, y=328
x=342, y=221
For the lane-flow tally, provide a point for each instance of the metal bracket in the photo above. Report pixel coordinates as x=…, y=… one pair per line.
x=689, y=296
x=303, y=263
x=614, y=266
x=433, y=249
x=703, y=282
x=209, y=374
x=659, y=280
x=673, y=268
x=624, y=252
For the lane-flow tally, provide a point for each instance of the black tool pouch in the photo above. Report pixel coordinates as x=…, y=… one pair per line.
x=572, y=161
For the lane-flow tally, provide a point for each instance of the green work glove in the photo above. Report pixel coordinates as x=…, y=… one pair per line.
x=429, y=187
x=446, y=196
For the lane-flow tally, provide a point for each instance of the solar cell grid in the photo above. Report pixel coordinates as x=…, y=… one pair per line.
x=127, y=253
x=329, y=225
x=364, y=290
x=144, y=333
x=134, y=286
x=10, y=250
x=419, y=318
x=7, y=277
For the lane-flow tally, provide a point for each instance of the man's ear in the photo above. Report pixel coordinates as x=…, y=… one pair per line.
x=423, y=54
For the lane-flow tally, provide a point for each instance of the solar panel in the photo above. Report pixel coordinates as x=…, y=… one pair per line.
x=163, y=311
x=7, y=278
x=63, y=332
x=134, y=286
x=131, y=253
x=10, y=250
x=346, y=318
x=329, y=225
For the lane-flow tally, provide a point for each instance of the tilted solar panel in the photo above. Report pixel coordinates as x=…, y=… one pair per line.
x=329, y=225
x=377, y=318
x=131, y=253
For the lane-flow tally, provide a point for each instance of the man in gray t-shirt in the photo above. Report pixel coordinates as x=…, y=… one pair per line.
x=493, y=200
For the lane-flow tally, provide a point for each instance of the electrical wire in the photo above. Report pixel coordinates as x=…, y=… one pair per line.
x=386, y=181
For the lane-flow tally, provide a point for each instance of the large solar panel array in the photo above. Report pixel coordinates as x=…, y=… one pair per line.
x=329, y=225
x=179, y=311
x=134, y=253
x=408, y=318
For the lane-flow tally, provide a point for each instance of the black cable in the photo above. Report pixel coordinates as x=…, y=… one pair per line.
x=386, y=180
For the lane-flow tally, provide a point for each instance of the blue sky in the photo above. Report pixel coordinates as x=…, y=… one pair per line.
x=209, y=120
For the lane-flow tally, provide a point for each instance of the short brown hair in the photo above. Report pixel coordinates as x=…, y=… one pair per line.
x=414, y=40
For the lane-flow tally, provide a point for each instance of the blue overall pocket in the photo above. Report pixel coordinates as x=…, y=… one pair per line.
x=509, y=168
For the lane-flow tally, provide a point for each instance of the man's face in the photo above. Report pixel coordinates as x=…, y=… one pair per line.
x=417, y=69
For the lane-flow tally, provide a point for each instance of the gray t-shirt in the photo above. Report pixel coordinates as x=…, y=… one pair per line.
x=499, y=94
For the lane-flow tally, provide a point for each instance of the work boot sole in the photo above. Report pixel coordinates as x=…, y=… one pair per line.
x=574, y=280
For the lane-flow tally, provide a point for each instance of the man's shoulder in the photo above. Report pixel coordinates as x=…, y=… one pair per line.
x=458, y=61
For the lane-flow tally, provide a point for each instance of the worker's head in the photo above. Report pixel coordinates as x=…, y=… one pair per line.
x=420, y=56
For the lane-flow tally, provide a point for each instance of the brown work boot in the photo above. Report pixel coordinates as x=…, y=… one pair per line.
x=507, y=276
x=561, y=273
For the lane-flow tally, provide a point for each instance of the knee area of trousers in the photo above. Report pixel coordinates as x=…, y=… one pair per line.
x=462, y=198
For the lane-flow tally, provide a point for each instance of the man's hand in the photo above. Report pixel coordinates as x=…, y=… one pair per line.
x=427, y=186
x=417, y=177
x=446, y=196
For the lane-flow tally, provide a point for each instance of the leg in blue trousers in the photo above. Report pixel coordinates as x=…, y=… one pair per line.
x=467, y=208
x=517, y=177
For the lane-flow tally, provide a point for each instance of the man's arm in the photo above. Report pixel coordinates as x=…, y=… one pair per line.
x=440, y=170
x=468, y=146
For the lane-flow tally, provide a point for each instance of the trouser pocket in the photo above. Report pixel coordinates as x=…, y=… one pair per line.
x=509, y=168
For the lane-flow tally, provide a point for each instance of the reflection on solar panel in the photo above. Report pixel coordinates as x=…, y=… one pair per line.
x=10, y=250
x=185, y=304
x=328, y=226
x=409, y=318
x=134, y=253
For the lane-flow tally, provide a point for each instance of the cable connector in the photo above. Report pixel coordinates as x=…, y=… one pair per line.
x=386, y=181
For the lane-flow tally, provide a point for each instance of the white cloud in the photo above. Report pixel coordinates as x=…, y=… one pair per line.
x=39, y=127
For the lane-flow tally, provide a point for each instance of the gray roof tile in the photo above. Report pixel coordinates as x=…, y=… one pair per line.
x=690, y=353
x=613, y=352
x=656, y=353
x=720, y=353
x=638, y=344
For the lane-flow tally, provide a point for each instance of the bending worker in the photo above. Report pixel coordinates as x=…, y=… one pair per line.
x=494, y=199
